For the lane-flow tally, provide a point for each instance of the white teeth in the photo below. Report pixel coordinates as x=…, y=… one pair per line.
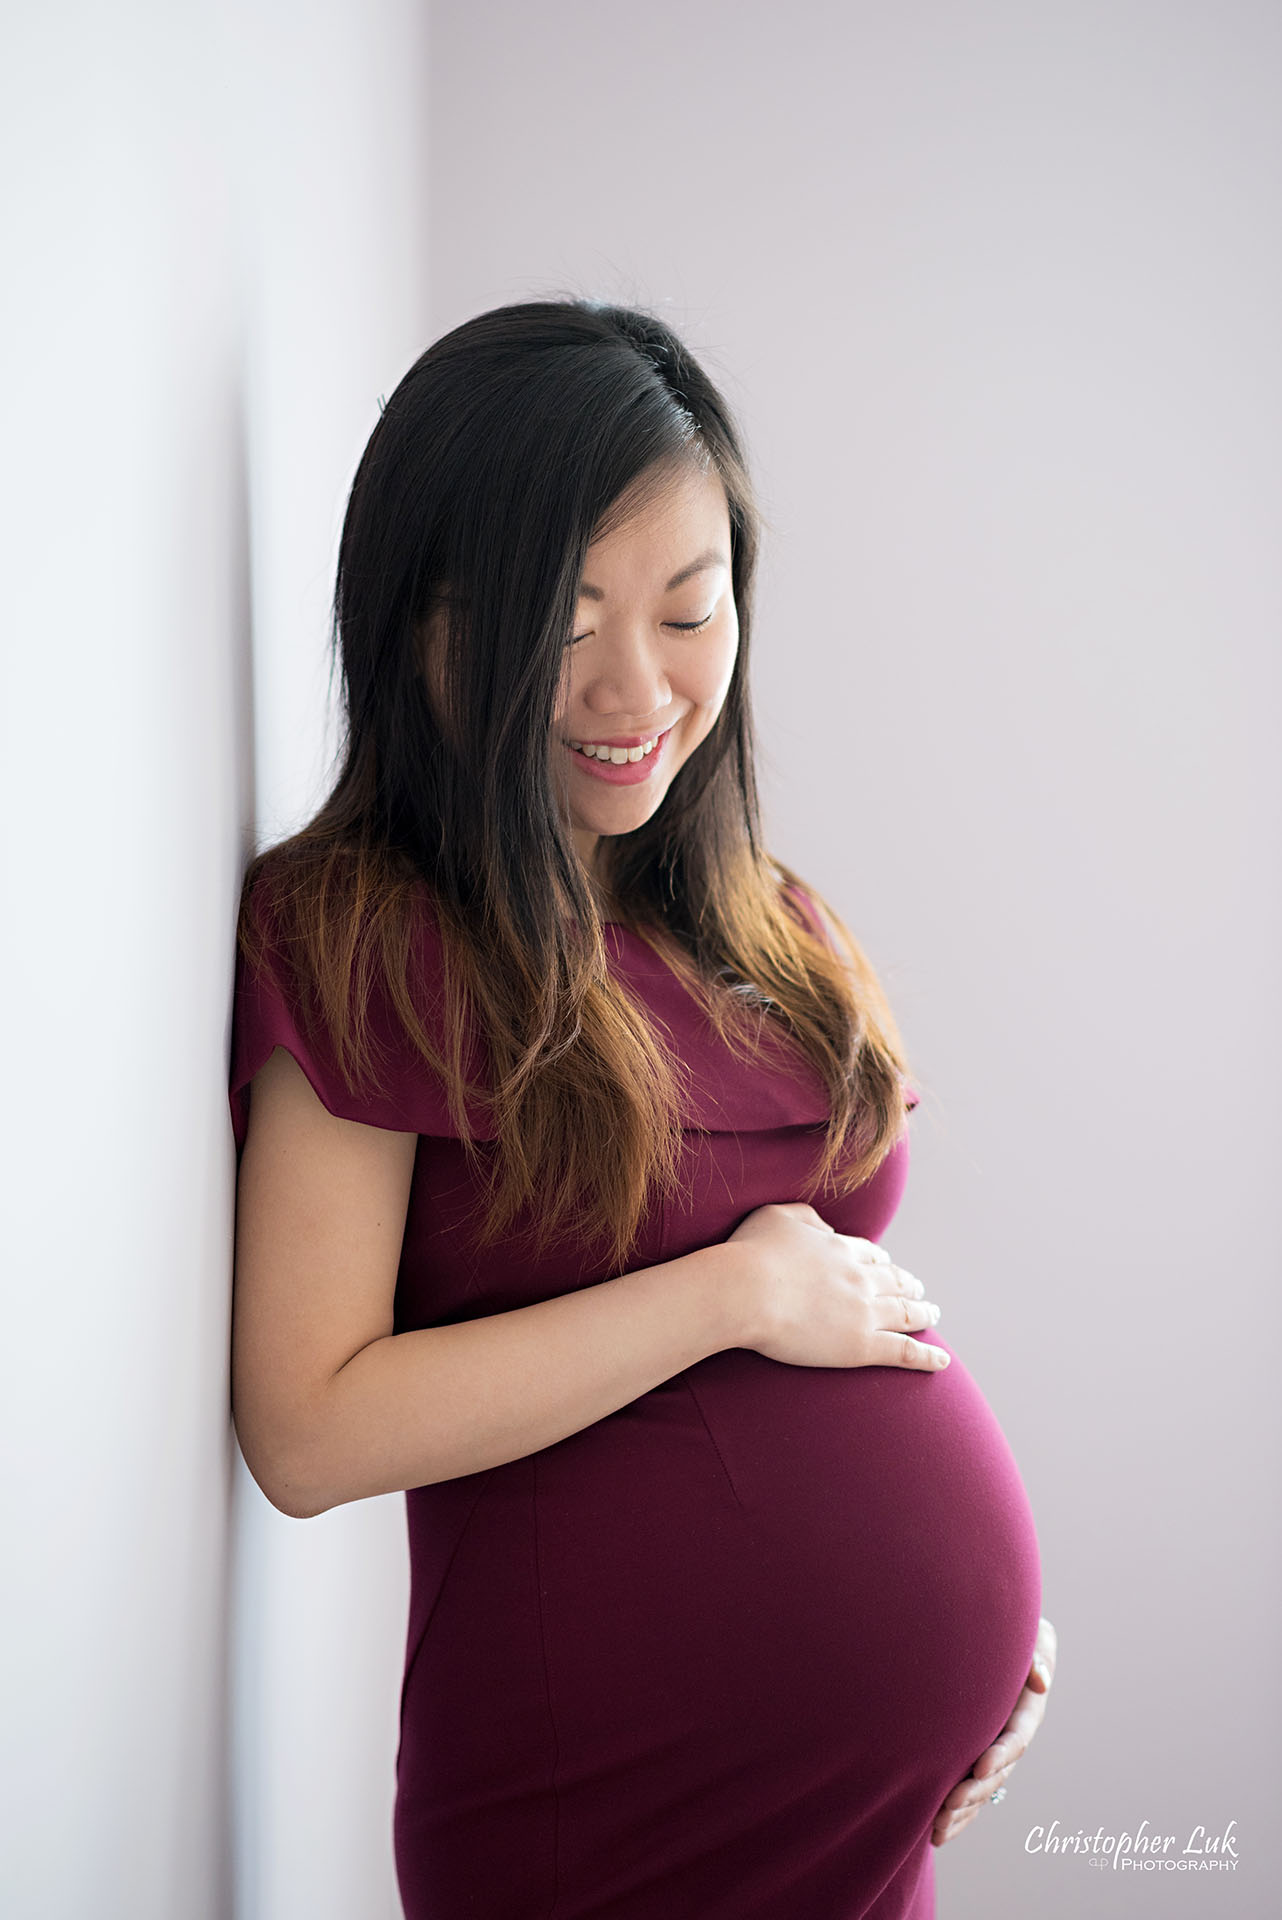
x=616, y=755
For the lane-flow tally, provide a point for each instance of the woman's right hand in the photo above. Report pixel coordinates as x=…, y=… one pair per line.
x=825, y=1299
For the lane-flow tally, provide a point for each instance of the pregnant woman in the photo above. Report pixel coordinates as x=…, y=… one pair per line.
x=570, y=1123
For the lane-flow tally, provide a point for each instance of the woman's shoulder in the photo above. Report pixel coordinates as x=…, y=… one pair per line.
x=374, y=1072
x=806, y=904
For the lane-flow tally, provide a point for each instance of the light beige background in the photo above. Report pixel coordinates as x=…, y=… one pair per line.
x=997, y=291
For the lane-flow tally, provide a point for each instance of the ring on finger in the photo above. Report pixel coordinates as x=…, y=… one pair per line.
x=982, y=1793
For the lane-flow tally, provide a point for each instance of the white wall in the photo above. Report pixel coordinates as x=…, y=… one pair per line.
x=214, y=256
x=997, y=292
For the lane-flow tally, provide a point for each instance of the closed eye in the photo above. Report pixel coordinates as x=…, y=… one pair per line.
x=678, y=626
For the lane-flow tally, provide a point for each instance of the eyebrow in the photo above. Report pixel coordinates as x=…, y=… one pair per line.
x=712, y=558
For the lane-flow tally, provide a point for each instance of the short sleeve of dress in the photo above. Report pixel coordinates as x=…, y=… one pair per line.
x=810, y=913
x=270, y=1009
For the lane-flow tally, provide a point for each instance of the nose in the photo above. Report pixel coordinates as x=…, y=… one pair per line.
x=628, y=682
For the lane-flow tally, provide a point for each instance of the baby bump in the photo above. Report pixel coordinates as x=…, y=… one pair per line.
x=839, y=1562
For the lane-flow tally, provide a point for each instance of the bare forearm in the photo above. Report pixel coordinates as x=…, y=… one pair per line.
x=438, y=1402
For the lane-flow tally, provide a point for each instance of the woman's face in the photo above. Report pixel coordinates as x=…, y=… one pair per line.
x=650, y=661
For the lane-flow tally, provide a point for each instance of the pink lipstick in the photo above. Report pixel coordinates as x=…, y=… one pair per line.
x=626, y=773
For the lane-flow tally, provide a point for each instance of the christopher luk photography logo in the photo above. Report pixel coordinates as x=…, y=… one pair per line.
x=1145, y=1851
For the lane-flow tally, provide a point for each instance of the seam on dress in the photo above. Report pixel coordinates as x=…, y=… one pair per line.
x=412, y=1661
x=712, y=1436
x=547, y=1692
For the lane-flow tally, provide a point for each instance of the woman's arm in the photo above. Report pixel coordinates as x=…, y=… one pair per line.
x=443, y=1401
x=330, y=1405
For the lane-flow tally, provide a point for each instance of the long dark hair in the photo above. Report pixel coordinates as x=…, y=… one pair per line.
x=510, y=445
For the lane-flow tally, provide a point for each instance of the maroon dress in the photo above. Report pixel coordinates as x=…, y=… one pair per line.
x=722, y=1654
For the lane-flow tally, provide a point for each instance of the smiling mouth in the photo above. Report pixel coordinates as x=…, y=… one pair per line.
x=616, y=753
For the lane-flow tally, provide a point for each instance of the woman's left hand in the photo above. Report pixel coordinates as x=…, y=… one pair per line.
x=993, y=1767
